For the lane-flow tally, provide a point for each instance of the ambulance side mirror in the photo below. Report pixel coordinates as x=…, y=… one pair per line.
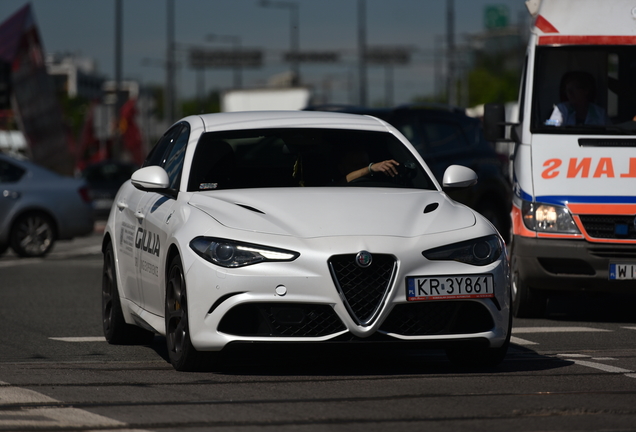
x=494, y=122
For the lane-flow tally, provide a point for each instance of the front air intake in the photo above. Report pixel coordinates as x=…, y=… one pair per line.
x=363, y=289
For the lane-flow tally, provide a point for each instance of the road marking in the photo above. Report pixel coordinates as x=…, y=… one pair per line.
x=629, y=328
x=53, y=256
x=18, y=262
x=80, y=339
x=574, y=355
x=87, y=250
x=45, y=418
x=520, y=330
x=519, y=341
x=605, y=368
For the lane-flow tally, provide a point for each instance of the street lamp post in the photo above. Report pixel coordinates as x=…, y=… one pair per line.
x=294, y=22
x=116, y=150
x=362, y=54
x=170, y=65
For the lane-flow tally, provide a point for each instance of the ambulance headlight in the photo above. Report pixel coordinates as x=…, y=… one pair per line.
x=548, y=218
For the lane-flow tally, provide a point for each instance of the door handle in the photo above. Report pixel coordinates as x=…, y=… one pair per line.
x=121, y=205
x=139, y=215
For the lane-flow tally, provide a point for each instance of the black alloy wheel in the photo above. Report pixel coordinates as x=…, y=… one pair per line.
x=116, y=331
x=33, y=235
x=183, y=355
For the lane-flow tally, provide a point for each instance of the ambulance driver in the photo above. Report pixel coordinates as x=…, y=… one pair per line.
x=577, y=107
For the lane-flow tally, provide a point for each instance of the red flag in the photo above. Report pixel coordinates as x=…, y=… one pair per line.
x=130, y=133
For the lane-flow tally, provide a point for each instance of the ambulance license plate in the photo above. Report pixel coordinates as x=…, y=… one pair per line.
x=622, y=271
x=420, y=288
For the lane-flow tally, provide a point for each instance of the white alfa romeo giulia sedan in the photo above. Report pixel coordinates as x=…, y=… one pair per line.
x=299, y=227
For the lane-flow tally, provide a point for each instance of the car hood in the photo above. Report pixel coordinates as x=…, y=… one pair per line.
x=324, y=212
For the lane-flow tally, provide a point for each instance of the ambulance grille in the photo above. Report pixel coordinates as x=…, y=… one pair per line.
x=609, y=226
x=614, y=251
x=363, y=290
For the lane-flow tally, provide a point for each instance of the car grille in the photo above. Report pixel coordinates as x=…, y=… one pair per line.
x=363, y=290
x=607, y=226
x=438, y=318
x=281, y=320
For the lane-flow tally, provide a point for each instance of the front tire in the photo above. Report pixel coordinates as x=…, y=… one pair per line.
x=183, y=355
x=116, y=331
x=527, y=302
x=33, y=235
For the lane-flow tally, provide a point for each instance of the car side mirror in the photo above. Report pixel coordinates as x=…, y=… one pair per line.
x=150, y=178
x=457, y=176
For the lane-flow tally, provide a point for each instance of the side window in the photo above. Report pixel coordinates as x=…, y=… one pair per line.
x=174, y=161
x=10, y=173
x=443, y=137
x=158, y=152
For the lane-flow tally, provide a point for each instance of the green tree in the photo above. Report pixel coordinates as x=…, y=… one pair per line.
x=74, y=110
x=210, y=104
x=487, y=86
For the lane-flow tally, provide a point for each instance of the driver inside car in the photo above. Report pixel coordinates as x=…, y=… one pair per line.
x=351, y=161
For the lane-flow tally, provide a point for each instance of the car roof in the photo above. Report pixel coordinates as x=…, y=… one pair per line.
x=291, y=119
x=26, y=164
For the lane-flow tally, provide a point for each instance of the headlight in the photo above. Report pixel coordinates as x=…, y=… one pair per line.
x=480, y=251
x=229, y=253
x=548, y=218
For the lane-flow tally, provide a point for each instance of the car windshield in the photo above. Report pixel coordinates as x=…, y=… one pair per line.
x=585, y=90
x=297, y=157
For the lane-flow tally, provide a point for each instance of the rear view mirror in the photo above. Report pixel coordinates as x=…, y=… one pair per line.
x=458, y=176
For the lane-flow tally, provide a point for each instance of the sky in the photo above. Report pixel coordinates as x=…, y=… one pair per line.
x=87, y=28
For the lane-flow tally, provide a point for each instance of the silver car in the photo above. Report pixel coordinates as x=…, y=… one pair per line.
x=38, y=207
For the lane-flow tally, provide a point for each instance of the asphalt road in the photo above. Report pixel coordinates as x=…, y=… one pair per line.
x=573, y=371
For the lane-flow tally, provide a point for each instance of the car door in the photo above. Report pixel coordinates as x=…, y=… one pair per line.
x=157, y=209
x=129, y=240
x=10, y=175
x=126, y=227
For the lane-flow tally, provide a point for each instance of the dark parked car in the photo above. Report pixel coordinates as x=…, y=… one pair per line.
x=38, y=207
x=104, y=179
x=446, y=136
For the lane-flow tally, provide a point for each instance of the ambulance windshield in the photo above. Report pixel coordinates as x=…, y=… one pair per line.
x=585, y=90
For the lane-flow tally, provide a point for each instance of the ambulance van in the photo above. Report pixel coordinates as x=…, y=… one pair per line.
x=574, y=160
